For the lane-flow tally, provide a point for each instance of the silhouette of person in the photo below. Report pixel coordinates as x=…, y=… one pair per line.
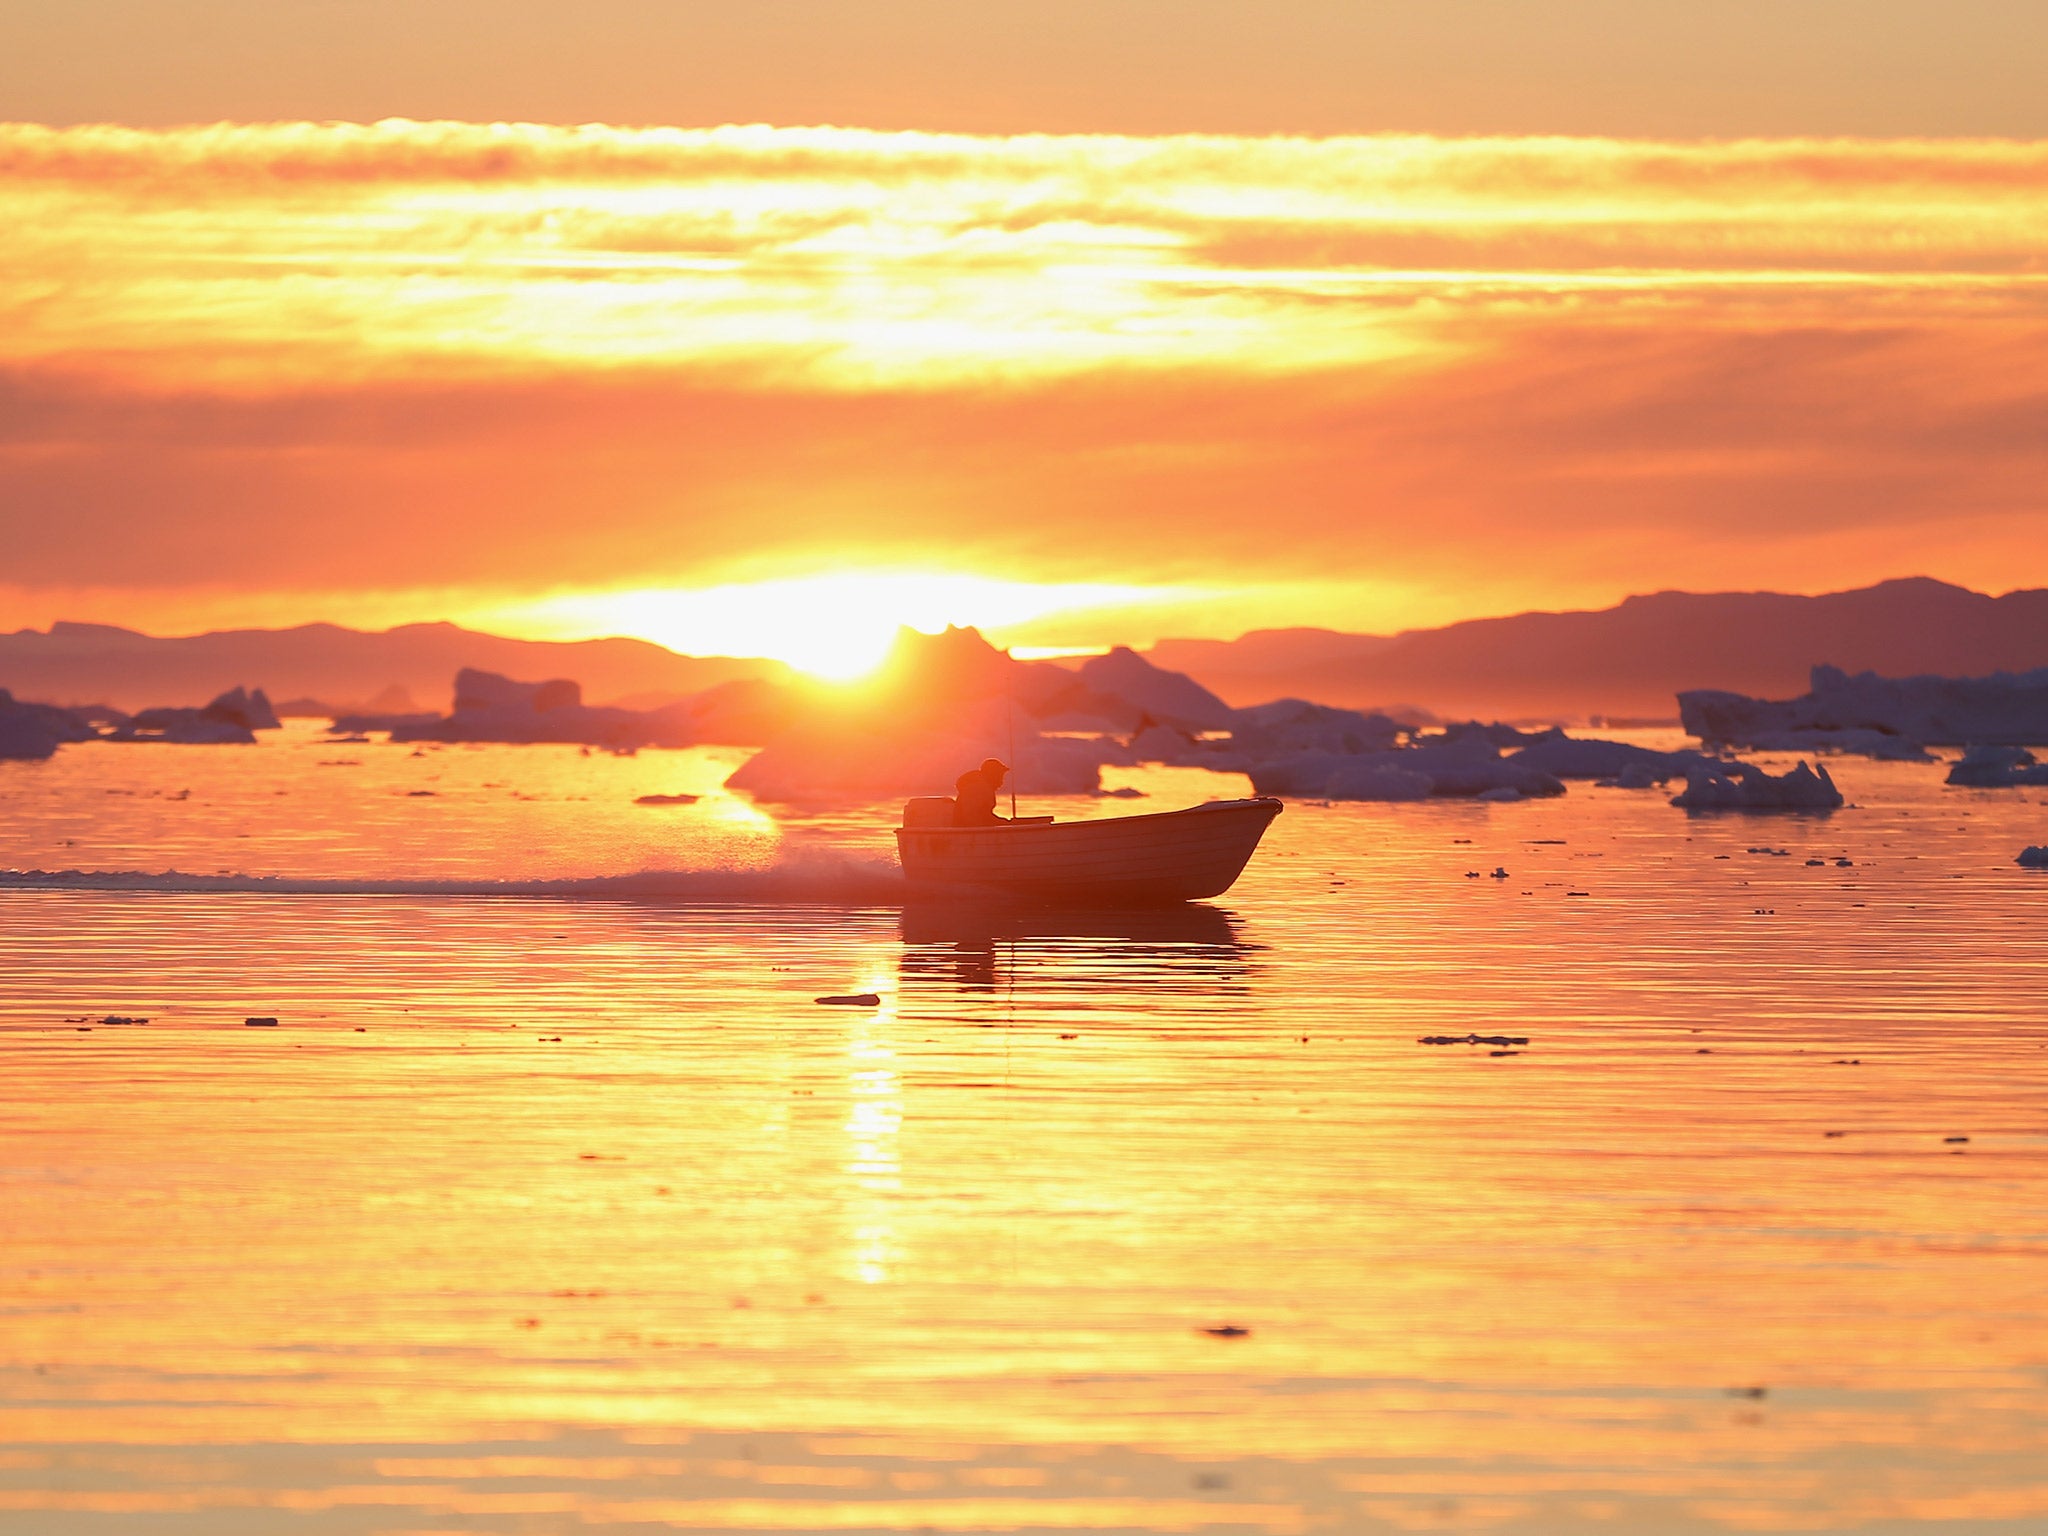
x=974, y=795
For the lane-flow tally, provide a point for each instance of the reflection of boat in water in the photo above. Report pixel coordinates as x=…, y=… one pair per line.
x=1185, y=923
x=1170, y=856
x=1188, y=947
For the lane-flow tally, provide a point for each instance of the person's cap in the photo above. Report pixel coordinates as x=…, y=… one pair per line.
x=996, y=763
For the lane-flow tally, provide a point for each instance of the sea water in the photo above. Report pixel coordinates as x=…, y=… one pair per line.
x=556, y=1203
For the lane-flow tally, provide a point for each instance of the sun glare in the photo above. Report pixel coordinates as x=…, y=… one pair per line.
x=836, y=627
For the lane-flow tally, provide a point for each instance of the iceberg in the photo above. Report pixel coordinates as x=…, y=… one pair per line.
x=1745, y=788
x=1171, y=698
x=1376, y=781
x=232, y=719
x=840, y=761
x=1572, y=757
x=1998, y=768
x=2006, y=708
x=31, y=732
x=2033, y=858
x=1462, y=771
x=1296, y=725
x=490, y=707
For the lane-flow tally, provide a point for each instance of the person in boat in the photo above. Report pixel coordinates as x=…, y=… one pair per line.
x=974, y=795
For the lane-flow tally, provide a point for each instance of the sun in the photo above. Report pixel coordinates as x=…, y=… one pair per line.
x=837, y=627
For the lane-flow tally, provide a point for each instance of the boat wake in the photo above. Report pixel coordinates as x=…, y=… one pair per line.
x=828, y=882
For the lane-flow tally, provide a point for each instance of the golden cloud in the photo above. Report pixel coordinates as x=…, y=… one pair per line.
x=1621, y=363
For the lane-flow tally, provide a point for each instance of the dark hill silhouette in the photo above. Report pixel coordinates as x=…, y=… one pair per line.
x=103, y=664
x=1632, y=659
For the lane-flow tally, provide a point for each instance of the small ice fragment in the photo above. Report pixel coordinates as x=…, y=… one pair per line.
x=1742, y=788
x=2033, y=858
x=263, y=1023
x=852, y=1000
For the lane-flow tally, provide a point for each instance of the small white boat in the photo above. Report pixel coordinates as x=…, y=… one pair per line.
x=1117, y=861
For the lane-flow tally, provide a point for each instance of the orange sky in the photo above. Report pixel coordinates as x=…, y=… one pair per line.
x=272, y=373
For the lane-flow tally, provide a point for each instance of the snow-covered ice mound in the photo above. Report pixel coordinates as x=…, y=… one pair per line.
x=32, y=731
x=852, y=761
x=1461, y=771
x=1571, y=757
x=1998, y=768
x=1850, y=713
x=1745, y=788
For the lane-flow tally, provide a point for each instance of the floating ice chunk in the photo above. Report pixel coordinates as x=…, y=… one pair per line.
x=1493, y=733
x=32, y=731
x=831, y=761
x=1450, y=771
x=1465, y=769
x=1851, y=742
x=1175, y=747
x=1998, y=767
x=241, y=707
x=2033, y=858
x=1171, y=697
x=489, y=690
x=1501, y=792
x=1571, y=757
x=493, y=708
x=1948, y=711
x=1295, y=725
x=1375, y=780
x=232, y=719
x=1751, y=789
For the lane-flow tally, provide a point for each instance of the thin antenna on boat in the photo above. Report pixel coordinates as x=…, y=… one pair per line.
x=1012, y=699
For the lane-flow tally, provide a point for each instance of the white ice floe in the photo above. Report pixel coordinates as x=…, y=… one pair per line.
x=2005, y=707
x=832, y=760
x=1455, y=770
x=1998, y=768
x=1572, y=757
x=232, y=719
x=489, y=707
x=1746, y=788
x=1374, y=779
x=33, y=731
x=245, y=707
x=1171, y=698
x=1295, y=725
x=1851, y=742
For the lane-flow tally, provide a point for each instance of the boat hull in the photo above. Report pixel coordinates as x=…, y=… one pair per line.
x=1119, y=861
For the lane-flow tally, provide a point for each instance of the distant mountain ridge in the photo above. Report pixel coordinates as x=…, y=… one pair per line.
x=1633, y=658
x=105, y=664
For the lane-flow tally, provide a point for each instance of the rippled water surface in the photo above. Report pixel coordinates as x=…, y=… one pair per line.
x=573, y=1213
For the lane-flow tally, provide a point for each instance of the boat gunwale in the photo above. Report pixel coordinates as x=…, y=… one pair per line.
x=1271, y=805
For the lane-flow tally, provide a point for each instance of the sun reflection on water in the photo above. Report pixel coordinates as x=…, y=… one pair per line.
x=874, y=1120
